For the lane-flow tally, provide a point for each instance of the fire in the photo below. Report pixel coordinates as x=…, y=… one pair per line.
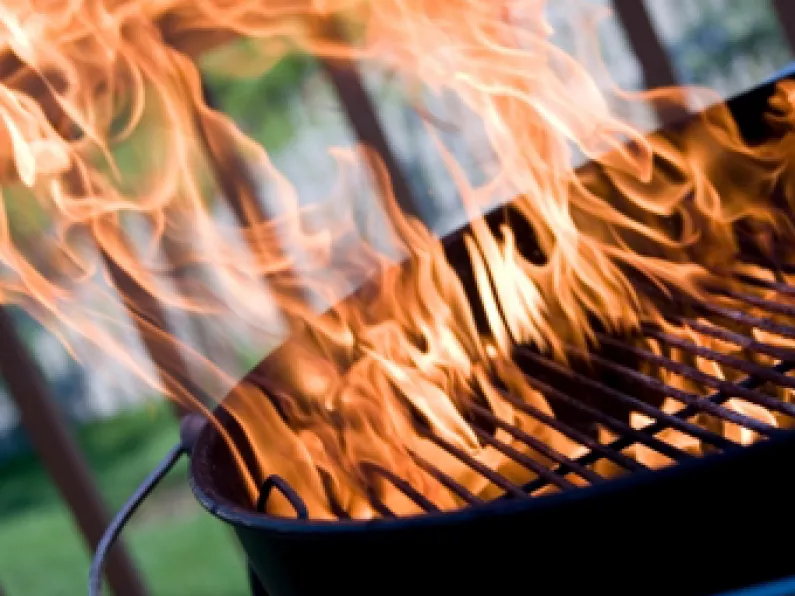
x=386, y=381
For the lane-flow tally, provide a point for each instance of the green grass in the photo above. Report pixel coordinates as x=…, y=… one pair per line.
x=179, y=548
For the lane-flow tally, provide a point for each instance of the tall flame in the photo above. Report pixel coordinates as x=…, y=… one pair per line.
x=379, y=378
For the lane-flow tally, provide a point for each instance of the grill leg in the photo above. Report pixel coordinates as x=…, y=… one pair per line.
x=256, y=586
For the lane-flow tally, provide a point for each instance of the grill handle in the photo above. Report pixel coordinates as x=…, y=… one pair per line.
x=190, y=426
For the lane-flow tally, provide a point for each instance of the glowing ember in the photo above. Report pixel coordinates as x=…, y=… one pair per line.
x=380, y=379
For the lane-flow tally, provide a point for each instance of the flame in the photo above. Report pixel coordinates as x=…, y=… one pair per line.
x=388, y=379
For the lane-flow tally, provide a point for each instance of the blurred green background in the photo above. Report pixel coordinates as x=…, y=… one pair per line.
x=180, y=549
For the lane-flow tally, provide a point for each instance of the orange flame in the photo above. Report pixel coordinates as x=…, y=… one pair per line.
x=379, y=378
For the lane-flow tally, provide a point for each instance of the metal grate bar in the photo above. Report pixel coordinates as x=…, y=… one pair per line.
x=743, y=318
x=328, y=486
x=639, y=405
x=720, y=397
x=746, y=366
x=379, y=505
x=598, y=416
x=417, y=497
x=447, y=481
x=738, y=339
x=713, y=382
x=622, y=443
x=780, y=287
x=482, y=469
x=689, y=399
x=539, y=446
x=780, y=308
x=524, y=460
x=592, y=444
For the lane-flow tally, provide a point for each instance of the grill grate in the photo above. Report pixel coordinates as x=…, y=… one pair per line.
x=755, y=320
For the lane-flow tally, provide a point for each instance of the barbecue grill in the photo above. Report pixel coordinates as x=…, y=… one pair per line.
x=708, y=522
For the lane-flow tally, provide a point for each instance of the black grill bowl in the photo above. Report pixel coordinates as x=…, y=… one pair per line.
x=716, y=523
x=703, y=526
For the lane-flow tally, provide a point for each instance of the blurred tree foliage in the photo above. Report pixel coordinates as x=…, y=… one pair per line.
x=259, y=102
x=725, y=33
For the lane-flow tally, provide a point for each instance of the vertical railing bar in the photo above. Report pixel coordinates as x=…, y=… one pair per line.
x=655, y=63
x=363, y=119
x=785, y=10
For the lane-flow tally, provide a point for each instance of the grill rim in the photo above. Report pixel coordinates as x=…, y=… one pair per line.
x=213, y=500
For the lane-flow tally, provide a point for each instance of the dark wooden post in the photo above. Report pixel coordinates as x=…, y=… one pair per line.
x=147, y=316
x=785, y=9
x=61, y=456
x=230, y=170
x=150, y=321
x=174, y=253
x=363, y=119
x=655, y=63
x=239, y=188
